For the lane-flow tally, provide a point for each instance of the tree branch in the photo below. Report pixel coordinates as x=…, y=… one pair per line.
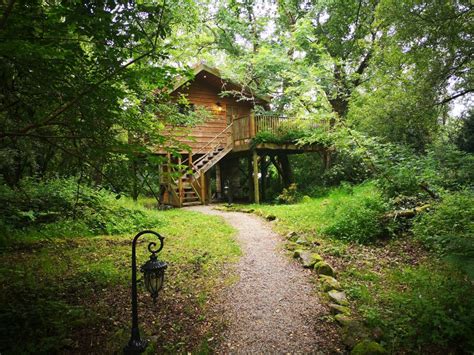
x=455, y=96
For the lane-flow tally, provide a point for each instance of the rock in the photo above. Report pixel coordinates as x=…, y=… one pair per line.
x=343, y=319
x=297, y=253
x=339, y=297
x=368, y=347
x=354, y=332
x=337, y=308
x=293, y=236
x=323, y=268
x=329, y=283
x=309, y=259
x=292, y=247
x=270, y=217
x=302, y=241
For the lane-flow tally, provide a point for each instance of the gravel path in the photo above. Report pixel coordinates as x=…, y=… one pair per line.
x=273, y=308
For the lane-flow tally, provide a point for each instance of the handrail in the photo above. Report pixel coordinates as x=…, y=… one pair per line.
x=202, y=148
x=212, y=140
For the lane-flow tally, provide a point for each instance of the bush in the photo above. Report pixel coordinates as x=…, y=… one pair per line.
x=449, y=229
x=442, y=168
x=289, y=195
x=61, y=207
x=421, y=308
x=356, y=219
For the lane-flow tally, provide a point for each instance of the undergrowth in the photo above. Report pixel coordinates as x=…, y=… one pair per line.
x=411, y=298
x=72, y=294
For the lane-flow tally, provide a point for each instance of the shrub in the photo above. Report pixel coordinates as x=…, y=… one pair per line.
x=34, y=203
x=61, y=207
x=357, y=219
x=449, y=229
x=443, y=167
x=421, y=309
x=289, y=195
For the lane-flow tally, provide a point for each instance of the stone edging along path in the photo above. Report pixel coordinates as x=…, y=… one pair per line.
x=273, y=308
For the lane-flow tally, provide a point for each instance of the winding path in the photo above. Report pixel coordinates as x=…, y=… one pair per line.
x=273, y=308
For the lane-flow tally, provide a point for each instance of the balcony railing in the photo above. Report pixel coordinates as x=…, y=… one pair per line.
x=246, y=127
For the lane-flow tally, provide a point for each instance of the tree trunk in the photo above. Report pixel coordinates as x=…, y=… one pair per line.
x=287, y=173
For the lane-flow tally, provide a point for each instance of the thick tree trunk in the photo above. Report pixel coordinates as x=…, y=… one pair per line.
x=287, y=173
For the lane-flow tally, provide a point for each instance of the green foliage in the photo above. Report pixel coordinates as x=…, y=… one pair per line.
x=404, y=172
x=287, y=132
x=358, y=219
x=66, y=296
x=424, y=306
x=62, y=207
x=289, y=195
x=346, y=213
x=449, y=229
x=82, y=84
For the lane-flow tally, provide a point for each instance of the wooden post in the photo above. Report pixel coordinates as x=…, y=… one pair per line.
x=252, y=125
x=218, y=181
x=203, y=188
x=256, y=190
x=209, y=190
x=249, y=177
x=263, y=169
x=180, y=183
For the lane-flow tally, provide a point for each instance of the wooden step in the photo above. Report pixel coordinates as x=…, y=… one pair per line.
x=194, y=203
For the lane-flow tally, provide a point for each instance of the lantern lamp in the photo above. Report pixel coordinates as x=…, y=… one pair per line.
x=153, y=272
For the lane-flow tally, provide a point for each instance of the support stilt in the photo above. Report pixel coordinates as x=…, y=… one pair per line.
x=256, y=189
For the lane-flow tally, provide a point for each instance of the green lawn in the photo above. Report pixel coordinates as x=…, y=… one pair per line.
x=72, y=293
x=409, y=299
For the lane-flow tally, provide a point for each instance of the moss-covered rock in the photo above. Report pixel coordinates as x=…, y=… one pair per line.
x=343, y=319
x=309, y=259
x=292, y=236
x=297, y=253
x=354, y=332
x=337, y=308
x=338, y=297
x=323, y=268
x=329, y=283
x=368, y=347
x=302, y=241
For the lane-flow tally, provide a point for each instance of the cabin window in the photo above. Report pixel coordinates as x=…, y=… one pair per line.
x=185, y=109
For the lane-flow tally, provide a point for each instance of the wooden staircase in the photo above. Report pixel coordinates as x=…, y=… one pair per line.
x=189, y=188
x=191, y=182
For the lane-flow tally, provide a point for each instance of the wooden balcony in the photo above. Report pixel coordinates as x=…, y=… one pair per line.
x=245, y=128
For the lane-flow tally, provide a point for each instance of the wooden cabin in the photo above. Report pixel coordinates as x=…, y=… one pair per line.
x=222, y=161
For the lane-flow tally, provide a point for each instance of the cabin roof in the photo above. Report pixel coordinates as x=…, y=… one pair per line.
x=214, y=78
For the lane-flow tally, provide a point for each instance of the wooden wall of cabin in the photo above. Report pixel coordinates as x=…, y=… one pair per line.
x=203, y=92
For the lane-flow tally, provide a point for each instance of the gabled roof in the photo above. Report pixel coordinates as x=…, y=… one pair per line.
x=226, y=84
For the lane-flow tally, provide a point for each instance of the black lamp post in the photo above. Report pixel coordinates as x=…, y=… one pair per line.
x=153, y=272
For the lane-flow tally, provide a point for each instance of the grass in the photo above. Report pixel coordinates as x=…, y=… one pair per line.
x=63, y=292
x=410, y=300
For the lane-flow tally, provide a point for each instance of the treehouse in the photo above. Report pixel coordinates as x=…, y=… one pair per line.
x=224, y=157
